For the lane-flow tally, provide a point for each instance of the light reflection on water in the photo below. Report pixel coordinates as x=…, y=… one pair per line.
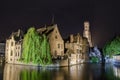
x=76, y=72
x=116, y=71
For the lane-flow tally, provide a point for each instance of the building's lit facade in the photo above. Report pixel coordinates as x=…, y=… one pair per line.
x=13, y=47
x=55, y=40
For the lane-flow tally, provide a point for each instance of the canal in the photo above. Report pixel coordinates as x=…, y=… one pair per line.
x=76, y=72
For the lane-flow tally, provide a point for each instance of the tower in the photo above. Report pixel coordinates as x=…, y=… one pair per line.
x=86, y=32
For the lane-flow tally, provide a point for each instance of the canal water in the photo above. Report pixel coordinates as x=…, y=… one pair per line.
x=76, y=72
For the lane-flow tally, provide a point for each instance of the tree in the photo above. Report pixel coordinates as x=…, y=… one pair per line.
x=112, y=47
x=36, y=48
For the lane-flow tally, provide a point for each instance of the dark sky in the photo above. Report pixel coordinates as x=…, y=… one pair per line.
x=68, y=14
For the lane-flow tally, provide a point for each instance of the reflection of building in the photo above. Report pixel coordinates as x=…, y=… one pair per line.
x=86, y=33
x=116, y=71
x=77, y=48
x=55, y=39
x=11, y=72
x=77, y=72
x=13, y=47
x=20, y=72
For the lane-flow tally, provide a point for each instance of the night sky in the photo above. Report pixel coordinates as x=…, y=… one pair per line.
x=68, y=14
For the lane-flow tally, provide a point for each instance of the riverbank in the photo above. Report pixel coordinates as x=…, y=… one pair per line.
x=56, y=63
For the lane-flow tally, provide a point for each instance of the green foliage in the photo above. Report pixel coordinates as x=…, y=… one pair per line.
x=45, y=51
x=35, y=75
x=94, y=59
x=36, y=48
x=112, y=47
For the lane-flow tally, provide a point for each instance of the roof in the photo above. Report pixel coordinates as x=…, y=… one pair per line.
x=17, y=35
x=46, y=30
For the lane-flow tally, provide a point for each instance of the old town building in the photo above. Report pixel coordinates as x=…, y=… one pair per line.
x=13, y=47
x=55, y=40
x=77, y=48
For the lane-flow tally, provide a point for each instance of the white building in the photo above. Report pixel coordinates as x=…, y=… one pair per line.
x=13, y=47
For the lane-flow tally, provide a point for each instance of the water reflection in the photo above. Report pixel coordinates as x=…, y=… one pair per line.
x=77, y=72
x=116, y=70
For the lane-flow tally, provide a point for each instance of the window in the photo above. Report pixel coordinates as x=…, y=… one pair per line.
x=11, y=43
x=11, y=59
x=58, y=45
x=11, y=53
x=55, y=37
x=55, y=54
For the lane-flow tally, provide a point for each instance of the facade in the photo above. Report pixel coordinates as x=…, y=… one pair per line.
x=14, y=47
x=87, y=33
x=55, y=40
x=77, y=49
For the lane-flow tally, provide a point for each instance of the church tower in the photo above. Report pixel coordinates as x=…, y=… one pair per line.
x=86, y=32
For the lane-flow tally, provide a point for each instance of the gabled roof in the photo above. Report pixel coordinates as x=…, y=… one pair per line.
x=46, y=30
